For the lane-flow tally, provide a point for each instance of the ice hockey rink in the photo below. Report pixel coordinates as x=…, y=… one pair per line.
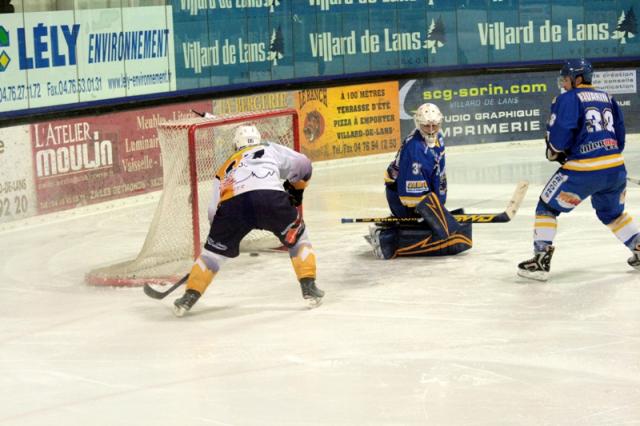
x=417, y=341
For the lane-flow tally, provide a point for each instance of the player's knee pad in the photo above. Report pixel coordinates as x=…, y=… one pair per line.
x=212, y=261
x=303, y=258
x=437, y=217
x=303, y=240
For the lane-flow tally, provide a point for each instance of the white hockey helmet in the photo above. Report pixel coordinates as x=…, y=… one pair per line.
x=246, y=135
x=428, y=119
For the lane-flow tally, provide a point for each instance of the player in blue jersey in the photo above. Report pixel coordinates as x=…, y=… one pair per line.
x=586, y=135
x=416, y=186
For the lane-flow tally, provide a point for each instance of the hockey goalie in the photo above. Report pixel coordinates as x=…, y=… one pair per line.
x=416, y=187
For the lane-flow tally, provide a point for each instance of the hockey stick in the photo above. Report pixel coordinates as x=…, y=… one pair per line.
x=203, y=114
x=632, y=180
x=155, y=294
x=505, y=216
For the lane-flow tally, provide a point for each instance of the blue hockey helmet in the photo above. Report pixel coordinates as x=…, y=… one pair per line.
x=577, y=67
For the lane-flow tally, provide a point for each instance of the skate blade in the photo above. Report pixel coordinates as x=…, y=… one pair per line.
x=635, y=264
x=179, y=311
x=314, y=302
x=541, y=276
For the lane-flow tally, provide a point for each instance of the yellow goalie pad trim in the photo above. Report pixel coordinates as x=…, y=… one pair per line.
x=426, y=246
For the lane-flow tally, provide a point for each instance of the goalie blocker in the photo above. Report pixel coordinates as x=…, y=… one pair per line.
x=438, y=235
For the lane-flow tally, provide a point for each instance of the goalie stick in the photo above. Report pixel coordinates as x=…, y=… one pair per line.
x=505, y=216
x=155, y=294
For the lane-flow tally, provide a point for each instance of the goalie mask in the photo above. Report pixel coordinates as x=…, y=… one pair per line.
x=428, y=119
x=247, y=135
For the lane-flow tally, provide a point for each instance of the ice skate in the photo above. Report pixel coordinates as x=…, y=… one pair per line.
x=374, y=240
x=184, y=303
x=310, y=292
x=634, y=261
x=537, y=268
x=370, y=237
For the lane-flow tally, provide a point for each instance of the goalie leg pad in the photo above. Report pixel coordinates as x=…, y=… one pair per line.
x=437, y=217
x=419, y=241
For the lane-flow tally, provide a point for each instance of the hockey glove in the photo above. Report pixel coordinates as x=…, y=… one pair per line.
x=294, y=194
x=553, y=155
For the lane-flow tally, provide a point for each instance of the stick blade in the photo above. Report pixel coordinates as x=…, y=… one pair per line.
x=153, y=293
x=518, y=195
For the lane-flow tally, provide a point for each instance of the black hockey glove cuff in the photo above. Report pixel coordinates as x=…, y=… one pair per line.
x=295, y=194
x=553, y=155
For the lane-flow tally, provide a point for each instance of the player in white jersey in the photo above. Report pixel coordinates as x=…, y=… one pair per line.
x=248, y=194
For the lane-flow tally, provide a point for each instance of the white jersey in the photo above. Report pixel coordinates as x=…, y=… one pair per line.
x=258, y=167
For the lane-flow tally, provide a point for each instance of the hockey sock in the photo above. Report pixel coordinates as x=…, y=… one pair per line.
x=303, y=258
x=544, y=231
x=204, y=269
x=626, y=230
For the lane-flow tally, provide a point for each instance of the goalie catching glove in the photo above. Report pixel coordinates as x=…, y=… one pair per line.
x=295, y=191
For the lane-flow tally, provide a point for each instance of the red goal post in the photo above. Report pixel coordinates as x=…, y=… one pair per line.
x=192, y=151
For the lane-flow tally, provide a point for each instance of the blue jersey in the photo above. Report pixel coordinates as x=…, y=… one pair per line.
x=418, y=169
x=587, y=125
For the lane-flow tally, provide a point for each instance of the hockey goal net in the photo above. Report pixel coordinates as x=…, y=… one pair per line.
x=192, y=151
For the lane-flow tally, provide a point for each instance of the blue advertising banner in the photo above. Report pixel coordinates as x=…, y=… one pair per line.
x=218, y=45
x=224, y=42
x=66, y=57
x=505, y=107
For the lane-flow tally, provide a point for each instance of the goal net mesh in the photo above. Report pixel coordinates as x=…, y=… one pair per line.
x=192, y=151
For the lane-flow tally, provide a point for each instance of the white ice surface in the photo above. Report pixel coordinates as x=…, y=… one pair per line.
x=417, y=341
